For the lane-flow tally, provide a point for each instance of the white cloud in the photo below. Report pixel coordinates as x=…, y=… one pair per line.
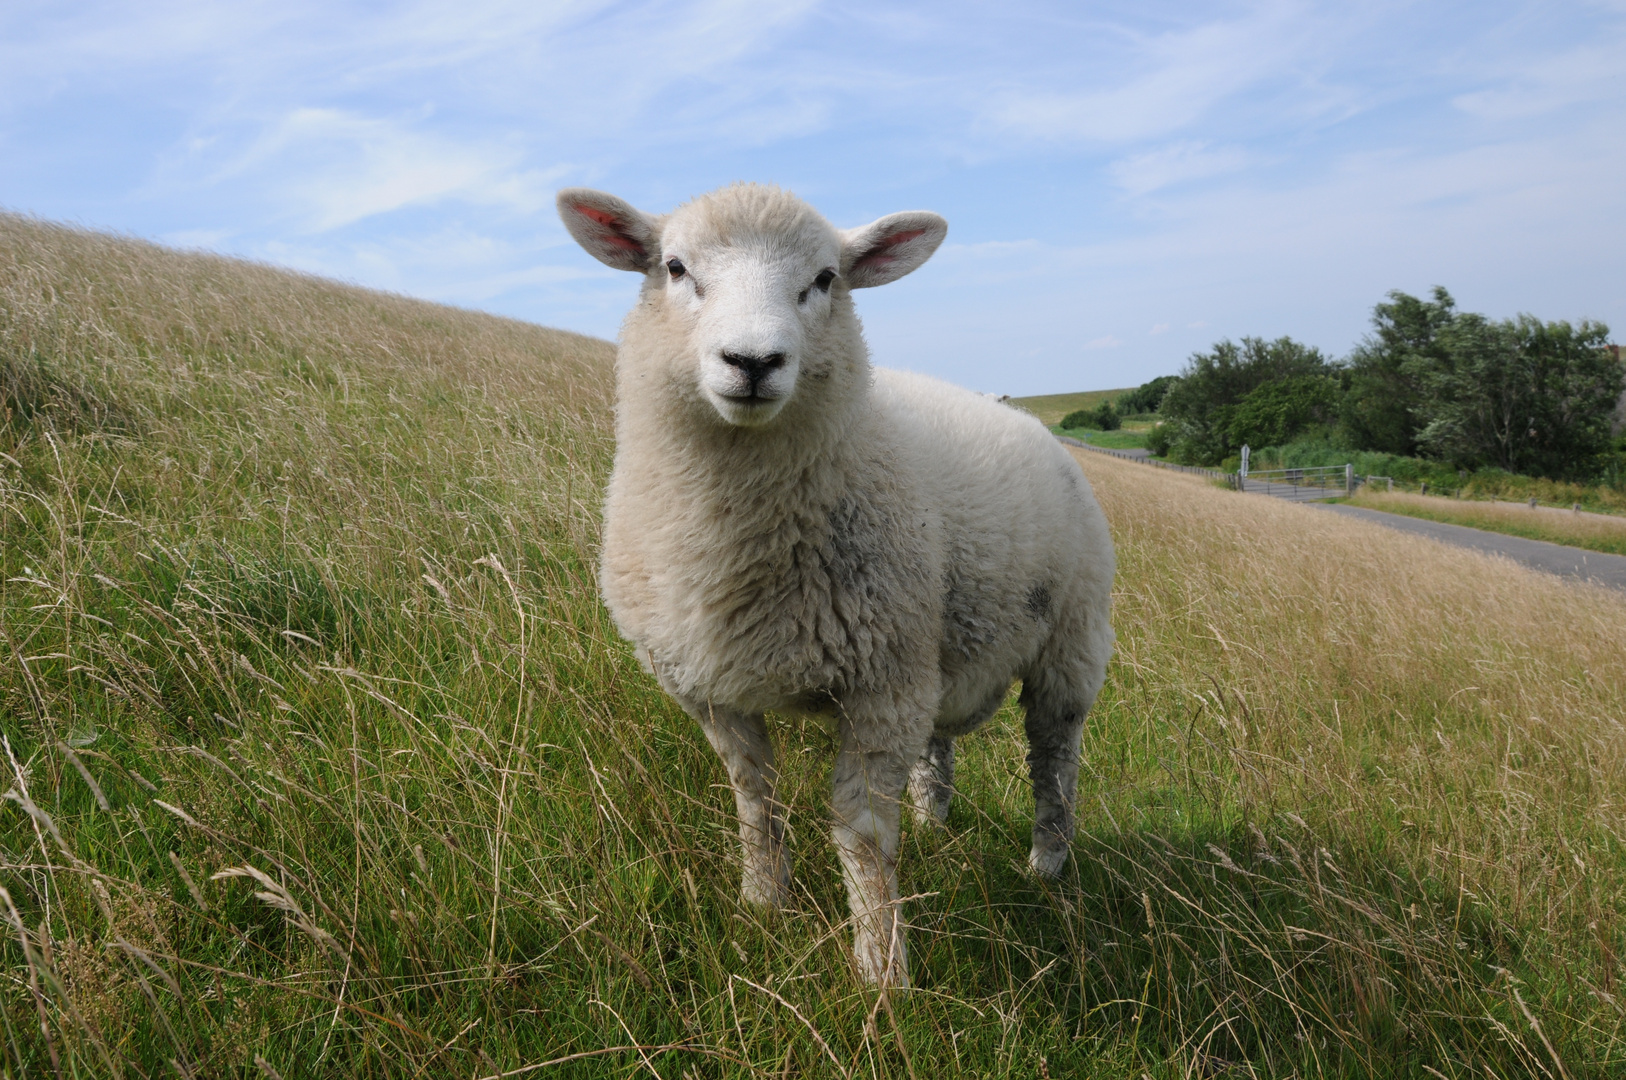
x=1107, y=342
x=1547, y=84
x=338, y=168
x=1183, y=76
x=1174, y=164
x=1159, y=328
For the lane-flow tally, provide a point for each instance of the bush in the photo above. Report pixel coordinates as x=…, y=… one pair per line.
x=1158, y=440
x=1276, y=412
x=1101, y=418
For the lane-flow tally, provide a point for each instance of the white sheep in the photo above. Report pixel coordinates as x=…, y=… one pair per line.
x=789, y=529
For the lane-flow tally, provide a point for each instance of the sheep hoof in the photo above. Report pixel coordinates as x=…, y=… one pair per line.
x=883, y=968
x=931, y=783
x=933, y=814
x=766, y=891
x=1048, y=858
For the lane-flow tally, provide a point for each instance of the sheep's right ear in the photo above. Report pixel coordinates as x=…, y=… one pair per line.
x=612, y=230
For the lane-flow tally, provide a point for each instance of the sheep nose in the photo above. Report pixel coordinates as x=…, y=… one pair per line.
x=755, y=367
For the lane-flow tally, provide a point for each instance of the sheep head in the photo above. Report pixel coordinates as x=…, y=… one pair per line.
x=757, y=278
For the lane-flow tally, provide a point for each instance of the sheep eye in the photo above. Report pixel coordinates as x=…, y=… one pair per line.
x=676, y=268
x=822, y=282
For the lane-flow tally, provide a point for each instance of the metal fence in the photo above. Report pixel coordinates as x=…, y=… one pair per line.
x=1307, y=484
x=1300, y=485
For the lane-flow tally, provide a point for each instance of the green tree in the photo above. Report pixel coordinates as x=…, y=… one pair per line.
x=1522, y=395
x=1381, y=409
x=1277, y=411
x=1203, y=406
x=1146, y=397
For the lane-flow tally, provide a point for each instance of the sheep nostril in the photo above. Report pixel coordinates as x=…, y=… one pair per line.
x=754, y=367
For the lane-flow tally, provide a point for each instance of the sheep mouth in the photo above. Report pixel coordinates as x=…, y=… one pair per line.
x=754, y=397
x=752, y=409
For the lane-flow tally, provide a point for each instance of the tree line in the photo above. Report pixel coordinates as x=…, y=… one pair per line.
x=1430, y=381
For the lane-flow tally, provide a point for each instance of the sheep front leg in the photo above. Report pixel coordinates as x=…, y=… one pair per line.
x=741, y=740
x=867, y=800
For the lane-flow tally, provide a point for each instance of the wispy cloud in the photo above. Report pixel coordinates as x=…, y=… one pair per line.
x=1581, y=76
x=339, y=168
x=1175, y=164
x=1175, y=79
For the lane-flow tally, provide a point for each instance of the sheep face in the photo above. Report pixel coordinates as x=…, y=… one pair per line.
x=752, y=309
x=755, y=279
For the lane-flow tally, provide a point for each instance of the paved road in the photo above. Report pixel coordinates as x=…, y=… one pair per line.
x=1594, y=566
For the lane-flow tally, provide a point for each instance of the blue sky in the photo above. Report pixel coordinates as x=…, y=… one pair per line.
x=1125, y=183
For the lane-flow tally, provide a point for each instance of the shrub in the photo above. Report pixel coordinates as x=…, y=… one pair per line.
x=1158, y=440
x=1101, y=418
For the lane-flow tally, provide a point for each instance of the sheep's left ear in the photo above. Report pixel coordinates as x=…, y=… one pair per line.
x=887, y=249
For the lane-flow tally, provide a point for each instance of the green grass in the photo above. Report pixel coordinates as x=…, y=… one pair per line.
x=321, y=751
x=1050, y=408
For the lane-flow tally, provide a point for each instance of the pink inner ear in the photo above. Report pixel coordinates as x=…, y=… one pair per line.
x=601, y=216
x=901, y=237
x=879, y=256
x=614, y=227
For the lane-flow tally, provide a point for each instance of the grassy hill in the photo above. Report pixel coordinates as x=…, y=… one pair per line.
x=321, y=751
x=1050, y=408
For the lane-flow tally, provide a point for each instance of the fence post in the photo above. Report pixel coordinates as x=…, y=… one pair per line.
x=1349, y=479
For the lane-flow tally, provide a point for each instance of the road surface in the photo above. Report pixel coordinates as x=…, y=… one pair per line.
x=1570, y=562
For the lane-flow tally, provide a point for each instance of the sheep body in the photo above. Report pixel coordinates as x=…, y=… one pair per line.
x=885, y=547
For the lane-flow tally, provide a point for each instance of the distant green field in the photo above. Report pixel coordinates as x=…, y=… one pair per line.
x=1050, y=408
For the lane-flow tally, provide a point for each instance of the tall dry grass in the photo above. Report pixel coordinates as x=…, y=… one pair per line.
x=323, y=759
x=1595, y=532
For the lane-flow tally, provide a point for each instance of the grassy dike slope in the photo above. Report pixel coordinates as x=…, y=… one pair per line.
x=1050, y=408
x=321, y=751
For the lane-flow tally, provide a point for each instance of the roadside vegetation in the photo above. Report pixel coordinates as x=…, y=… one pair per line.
x=1594, y=532
x=1434, y=399
x=1519, y=396
x=322, y=757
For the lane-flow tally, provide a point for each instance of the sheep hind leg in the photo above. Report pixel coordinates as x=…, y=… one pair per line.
x=867, y=800
x=741, y=740
x=1055, y=727
x=931, y=782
